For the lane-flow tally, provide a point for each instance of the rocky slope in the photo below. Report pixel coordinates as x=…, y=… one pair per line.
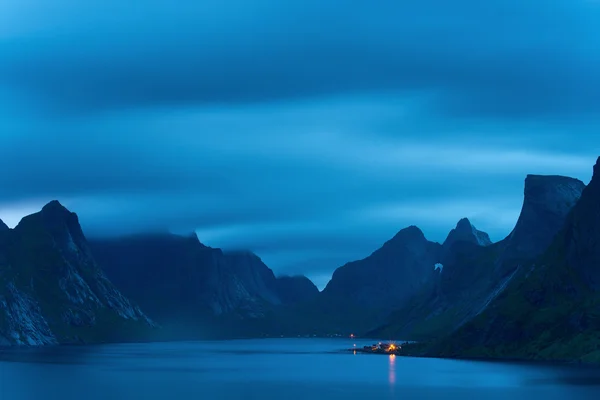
x=475, y=272
x=52, y=291
x=3, y=226
x=547, y=201
x=466, y=232
x=203, y=290
x=362, y=292
x=295, y=289
x=390, y=275
x=551, y=309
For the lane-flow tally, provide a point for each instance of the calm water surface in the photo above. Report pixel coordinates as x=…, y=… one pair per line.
x=274, y=369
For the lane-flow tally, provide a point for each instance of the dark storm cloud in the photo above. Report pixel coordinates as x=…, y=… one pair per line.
x=310, y=132
x=501, y=58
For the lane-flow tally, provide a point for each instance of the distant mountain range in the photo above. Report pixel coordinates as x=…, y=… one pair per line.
x=180, y=281
x=533, y=294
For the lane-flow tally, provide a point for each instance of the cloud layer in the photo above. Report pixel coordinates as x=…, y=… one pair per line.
x=309, y=132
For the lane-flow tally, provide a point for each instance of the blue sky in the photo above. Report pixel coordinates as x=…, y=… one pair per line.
x=307, y=131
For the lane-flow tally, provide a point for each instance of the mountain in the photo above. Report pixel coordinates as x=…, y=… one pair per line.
x=466, y=232
x=205, y=291
x=475, y=272
x=3, y=226
x=547, y=201
x=361, y=293
x=551, y=309
x=389, y=275
x=52, y=291
x=296, y=289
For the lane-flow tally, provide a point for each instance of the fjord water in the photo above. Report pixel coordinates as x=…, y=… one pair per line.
x=273, y=369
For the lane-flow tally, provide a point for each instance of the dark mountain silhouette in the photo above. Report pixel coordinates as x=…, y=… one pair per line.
x=295, y=289
x=362, y=292
x=475, y=272
x=52, y=291
x=204, y=290
x=389, y=275
x=466, y=232
x=550, y=308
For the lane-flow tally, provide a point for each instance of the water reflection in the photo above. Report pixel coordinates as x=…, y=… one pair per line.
x=252, y=369
x=392, y=370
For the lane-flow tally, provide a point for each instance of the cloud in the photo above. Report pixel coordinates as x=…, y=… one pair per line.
x=314, y=177
x=308, y=132
x=503, y=59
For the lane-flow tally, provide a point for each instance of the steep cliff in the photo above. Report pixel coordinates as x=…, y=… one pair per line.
x=390, y=275
x=52, y=290
x=466, y=232
x=203, y=290
x=474, y=272
x=550, y=310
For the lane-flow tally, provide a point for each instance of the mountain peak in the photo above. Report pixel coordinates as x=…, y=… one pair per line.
x=55, y=208
x=557, y=192
x=464, y=223
x=54, y=213
x=57, y=221
x=54, y=204
x=409, y=233
x=466, y=231
x=49, y=247
x=367, y=282
x=547, y=201
x=3, y=226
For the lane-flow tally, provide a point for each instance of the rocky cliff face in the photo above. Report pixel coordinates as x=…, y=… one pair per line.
x=361, y=293
x=453, y=294
x=466, y=232
x=549, y=310
x=476, y=272
x=390, y=275
x=52, y=290
x=178, y=278
x=582, y=233
x=547, y=201
x=258, y=279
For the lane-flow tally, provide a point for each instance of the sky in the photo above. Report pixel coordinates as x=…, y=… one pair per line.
x=308, y=131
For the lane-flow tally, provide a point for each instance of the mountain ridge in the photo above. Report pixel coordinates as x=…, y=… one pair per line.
x=53, y=292
x=466, y=231
x=473, y=275
x=549, y=311
x=205, y=286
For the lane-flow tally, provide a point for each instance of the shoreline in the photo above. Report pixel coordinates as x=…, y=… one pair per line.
x=507, y=360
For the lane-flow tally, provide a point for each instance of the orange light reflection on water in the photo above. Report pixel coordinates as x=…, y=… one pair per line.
x=392, y=370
